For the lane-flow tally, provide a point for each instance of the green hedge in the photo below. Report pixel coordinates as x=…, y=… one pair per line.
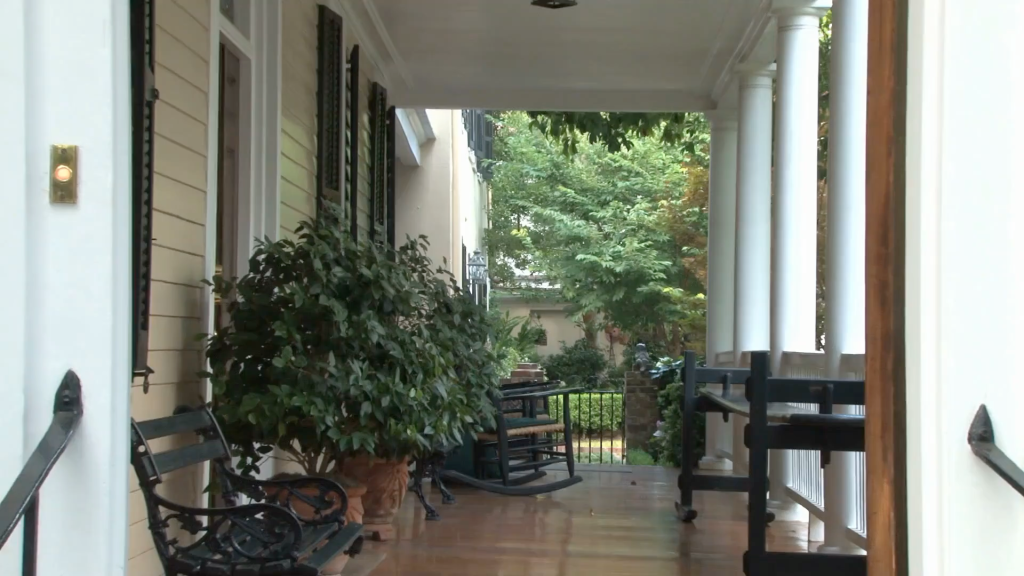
x=591, y=412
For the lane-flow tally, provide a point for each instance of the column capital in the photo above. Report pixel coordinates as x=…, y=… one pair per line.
x=753, y=75
x=723, y=119
x=800, y=7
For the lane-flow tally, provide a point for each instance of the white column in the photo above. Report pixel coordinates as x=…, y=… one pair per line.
x=753, y=228
x=844, y=309
x=68, y=302
x=721, y=268
x=794, y=209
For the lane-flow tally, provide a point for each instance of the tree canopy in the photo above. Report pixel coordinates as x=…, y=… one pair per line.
x=621, y=233
x=687, y=134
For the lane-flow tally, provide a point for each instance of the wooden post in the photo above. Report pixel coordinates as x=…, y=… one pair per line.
x=885, y=289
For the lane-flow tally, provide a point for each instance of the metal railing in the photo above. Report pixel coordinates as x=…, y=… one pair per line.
x=598, y=426
x=982, y=439
x=22, y=500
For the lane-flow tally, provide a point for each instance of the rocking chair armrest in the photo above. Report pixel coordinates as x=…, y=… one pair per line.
x=313, y=500
x=516, y=386
x=278, y=528
x=506, y=393
x=543, y=394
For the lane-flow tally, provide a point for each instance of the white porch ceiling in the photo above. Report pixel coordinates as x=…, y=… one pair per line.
x=615, y=55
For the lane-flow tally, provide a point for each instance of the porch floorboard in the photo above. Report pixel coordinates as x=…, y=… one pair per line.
x=605, y=526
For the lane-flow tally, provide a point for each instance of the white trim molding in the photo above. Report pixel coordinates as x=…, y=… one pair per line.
x=465, y=98
x=415, y=132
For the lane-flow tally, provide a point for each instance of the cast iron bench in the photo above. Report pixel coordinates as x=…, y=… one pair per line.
x=293, y=527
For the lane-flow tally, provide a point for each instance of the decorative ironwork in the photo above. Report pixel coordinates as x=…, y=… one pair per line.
x=982, y=439
x=272, y=536
x=313, y=500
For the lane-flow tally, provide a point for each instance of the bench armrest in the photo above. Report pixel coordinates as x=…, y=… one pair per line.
x=278, y=529
x=311, y=499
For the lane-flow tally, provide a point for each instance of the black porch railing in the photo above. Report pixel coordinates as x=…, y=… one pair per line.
x=22, y=500
x=598, y=426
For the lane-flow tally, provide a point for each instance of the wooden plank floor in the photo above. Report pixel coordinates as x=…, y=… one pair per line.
x=613, y=524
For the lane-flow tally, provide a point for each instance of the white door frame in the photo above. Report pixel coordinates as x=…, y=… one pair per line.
x=259, y=49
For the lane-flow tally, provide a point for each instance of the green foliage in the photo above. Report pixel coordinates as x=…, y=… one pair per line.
x=689, y=133
x=510, y=347
x=638, y=457
x=619, y=130
x=336, y=347
x=622, y=235
x=591, y=413
x=578, y=364
x=667, y=447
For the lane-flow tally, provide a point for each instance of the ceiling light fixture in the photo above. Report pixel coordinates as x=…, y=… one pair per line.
x=554, y=4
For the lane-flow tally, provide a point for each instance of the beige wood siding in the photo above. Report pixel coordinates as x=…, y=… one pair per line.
x=298, y=117
x=298, y=113
x=182, y=76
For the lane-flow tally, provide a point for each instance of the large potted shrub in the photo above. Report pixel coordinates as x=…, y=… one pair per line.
x=350, y=357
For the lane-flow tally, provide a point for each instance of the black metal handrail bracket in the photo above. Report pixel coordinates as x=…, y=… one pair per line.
x=23, y=497
x=982, y=439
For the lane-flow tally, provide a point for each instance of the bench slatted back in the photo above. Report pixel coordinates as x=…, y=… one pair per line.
x=150, y=466
x=712, y=375
x=805, y=390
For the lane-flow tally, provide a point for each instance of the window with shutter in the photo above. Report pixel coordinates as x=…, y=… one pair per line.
x=390, y=176
x=330, y=115
x=144, y=95
x=352, y=142
x=378, y=166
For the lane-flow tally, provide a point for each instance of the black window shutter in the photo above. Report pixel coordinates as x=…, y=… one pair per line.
x=378, y=165
x=144, y=95
x=488, y=148
x=352, y=142
x=390, y=176
x=329, y=113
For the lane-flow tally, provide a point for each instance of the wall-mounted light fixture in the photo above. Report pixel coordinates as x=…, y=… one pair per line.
x=554, y=4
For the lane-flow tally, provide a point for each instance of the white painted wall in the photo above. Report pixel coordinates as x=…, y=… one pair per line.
x=65, y=302
x=965, y=246
x=443, y=197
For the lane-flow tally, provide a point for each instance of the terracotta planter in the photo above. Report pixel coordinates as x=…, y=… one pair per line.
x=386, y=482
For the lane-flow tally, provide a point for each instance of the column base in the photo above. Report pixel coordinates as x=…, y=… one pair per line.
x=844, y=548
x=714, y=463
x=788, y=511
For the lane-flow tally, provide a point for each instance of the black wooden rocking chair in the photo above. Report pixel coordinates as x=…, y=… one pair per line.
x=525, y=438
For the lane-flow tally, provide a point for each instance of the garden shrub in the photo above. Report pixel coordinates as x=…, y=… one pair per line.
x=591, y=412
